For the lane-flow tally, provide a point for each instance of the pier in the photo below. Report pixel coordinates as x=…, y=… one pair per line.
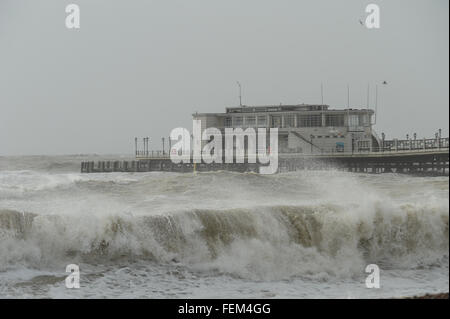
x=425, y=156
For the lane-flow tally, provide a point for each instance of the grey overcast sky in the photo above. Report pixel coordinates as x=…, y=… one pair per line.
x=141, y=68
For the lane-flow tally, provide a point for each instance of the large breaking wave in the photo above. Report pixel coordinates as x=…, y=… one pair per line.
x=315, y=225
x=269, y=242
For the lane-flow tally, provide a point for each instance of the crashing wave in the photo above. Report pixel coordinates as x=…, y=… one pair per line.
x=270, y=242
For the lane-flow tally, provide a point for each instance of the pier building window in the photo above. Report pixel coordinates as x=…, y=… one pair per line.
x=313, y=120
x=237, y=121
x=334, y=120
x=353, y=120
x=276, y=121
x=250, y=121
x=228, y=122
x=364, y=120
x=262, y=121
x=289, y=120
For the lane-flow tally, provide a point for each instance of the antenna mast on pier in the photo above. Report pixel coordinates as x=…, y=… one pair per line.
x=368, y=95
x=321, y=91
x=348, y=96
x=240, y=93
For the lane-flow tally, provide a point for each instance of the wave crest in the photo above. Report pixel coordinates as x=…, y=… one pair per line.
x=270, y=242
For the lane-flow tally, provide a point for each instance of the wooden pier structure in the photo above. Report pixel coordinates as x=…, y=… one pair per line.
x=426, y=157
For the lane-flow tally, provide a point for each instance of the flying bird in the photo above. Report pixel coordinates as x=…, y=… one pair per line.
x=361, y=22
x=384, y=82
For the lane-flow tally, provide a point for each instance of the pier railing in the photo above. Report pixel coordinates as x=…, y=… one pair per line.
x=413, y=144
x=408, y=156
x=151, y=154
x=387, y=146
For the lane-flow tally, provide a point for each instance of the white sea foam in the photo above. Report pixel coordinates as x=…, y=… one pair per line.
x=313, y=227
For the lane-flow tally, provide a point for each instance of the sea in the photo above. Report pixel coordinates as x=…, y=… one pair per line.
x=304, y=234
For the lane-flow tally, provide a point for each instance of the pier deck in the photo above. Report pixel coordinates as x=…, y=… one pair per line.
x=415, y=161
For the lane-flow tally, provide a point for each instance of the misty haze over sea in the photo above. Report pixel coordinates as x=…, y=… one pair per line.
x=132, y=71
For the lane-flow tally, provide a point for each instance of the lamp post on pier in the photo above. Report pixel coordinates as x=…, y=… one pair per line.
x=163, y=146
x=146, y=142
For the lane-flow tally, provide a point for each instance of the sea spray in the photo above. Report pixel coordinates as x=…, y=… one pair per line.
x=256, y=243
x=211, y=234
